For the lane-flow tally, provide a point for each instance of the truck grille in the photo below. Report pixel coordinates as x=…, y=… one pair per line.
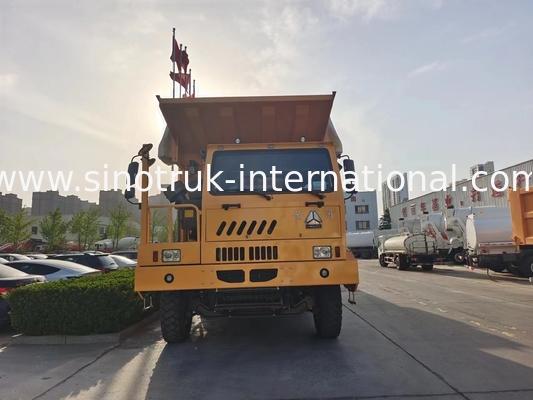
x=255, y=253
x=248, y=297
x=242, y=226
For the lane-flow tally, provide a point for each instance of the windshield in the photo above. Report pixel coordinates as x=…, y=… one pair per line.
x=273, y=171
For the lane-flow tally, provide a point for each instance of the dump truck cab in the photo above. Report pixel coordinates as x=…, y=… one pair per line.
x=256, y=223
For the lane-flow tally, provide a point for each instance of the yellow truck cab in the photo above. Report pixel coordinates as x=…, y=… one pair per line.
x=256, y=221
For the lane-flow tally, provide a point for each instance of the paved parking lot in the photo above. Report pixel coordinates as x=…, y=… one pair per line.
x=451, y=334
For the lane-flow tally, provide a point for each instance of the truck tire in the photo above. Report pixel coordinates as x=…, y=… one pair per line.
x=497, y=267
x=457, y=257
x=427, y=267
x=526, y=266
x=328, y=312
x=175, y=317
x=366, y=254
x=382, y=261
x=513, y=269
x=401, y=262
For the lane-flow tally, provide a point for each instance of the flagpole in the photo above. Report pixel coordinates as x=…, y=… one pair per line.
x=179, y=67
x=189, y=83
x=173, y=63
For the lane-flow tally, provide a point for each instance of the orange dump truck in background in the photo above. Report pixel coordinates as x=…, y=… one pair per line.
x=242, y=245
x=521, y=205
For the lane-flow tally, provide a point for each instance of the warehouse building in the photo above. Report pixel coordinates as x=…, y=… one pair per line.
x=486, y=190
x=361, y=211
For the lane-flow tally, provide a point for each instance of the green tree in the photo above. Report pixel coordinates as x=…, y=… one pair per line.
x=158, y=223
x=91, y=228
x=118, y=224
x=385, y=221
x=132, y=230
x=76, y=227
x=4, y=224
x=54, y=230
x=18, y=228
x=84, y=225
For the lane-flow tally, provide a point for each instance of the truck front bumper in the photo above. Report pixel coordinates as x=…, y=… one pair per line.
x=247, y=275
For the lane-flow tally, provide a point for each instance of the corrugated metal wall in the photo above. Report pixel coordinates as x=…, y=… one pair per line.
x=463, y=195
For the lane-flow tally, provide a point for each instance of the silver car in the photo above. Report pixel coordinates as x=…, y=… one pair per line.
x=53, y=270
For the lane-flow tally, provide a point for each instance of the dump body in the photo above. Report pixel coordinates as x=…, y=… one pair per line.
x=521, y=211
x=244, y=240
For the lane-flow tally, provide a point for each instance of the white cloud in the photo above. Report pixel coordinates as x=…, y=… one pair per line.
x=432, y=67
x=488, y=34
x=366, y=9
x=7, y=82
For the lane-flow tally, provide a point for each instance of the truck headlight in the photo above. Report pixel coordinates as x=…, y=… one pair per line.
x=322, y=252
x=171, y=255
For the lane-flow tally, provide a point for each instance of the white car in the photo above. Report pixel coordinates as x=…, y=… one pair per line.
x=123, y=261
x=53, y=270
x=3, y=260
x=15, y=257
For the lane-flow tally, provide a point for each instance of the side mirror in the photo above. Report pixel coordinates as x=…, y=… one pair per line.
x=133, y=170
x=129, y=193
x=348, y=168
x=348, y=165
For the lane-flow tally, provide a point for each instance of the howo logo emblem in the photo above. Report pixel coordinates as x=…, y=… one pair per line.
x=313, y=220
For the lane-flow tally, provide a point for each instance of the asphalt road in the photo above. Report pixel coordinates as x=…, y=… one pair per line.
x=446, y=334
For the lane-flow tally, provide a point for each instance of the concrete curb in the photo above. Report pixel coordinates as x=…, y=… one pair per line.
x=105, y=338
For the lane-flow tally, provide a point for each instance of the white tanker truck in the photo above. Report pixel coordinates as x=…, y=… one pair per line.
x=362, y=244
x=489, y=238
x=412, y=247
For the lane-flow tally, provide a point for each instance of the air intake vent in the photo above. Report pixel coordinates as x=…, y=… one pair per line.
x=246, y=227
x=230, y=254
x=263, y=253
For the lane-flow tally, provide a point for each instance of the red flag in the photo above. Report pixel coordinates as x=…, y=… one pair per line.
x=175, y=57
x=182, y=79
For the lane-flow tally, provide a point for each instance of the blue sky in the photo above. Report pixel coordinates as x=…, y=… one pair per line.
x=421, y=84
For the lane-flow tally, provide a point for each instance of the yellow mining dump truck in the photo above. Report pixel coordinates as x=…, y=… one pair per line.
x=264, y=232
x=521, y=205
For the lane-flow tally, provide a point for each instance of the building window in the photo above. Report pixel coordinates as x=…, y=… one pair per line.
x=34, y=230
x=362, y=225
x=102, y=230
x=361, y=210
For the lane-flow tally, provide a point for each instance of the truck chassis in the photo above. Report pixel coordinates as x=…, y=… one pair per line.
x=179, y=307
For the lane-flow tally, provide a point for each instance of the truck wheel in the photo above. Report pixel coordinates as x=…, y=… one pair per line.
x=328, y=312
x=401, y=263
x=497, y=267
x=365, y=254
x=427, y=267
x=512, y=268
x=175, y=317
x=382, y=262
x=457, y=258
x=526, y=266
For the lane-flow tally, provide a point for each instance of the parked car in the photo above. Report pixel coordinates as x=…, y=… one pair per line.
x=123, y=261
x=10, y=279
x=15, y=257
x=131, y=254
x=37, y=256
x=102, y=262
x=54, y=270
x=3, y=260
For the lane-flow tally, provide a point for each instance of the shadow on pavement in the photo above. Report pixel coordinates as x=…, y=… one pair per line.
x=384, y=350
